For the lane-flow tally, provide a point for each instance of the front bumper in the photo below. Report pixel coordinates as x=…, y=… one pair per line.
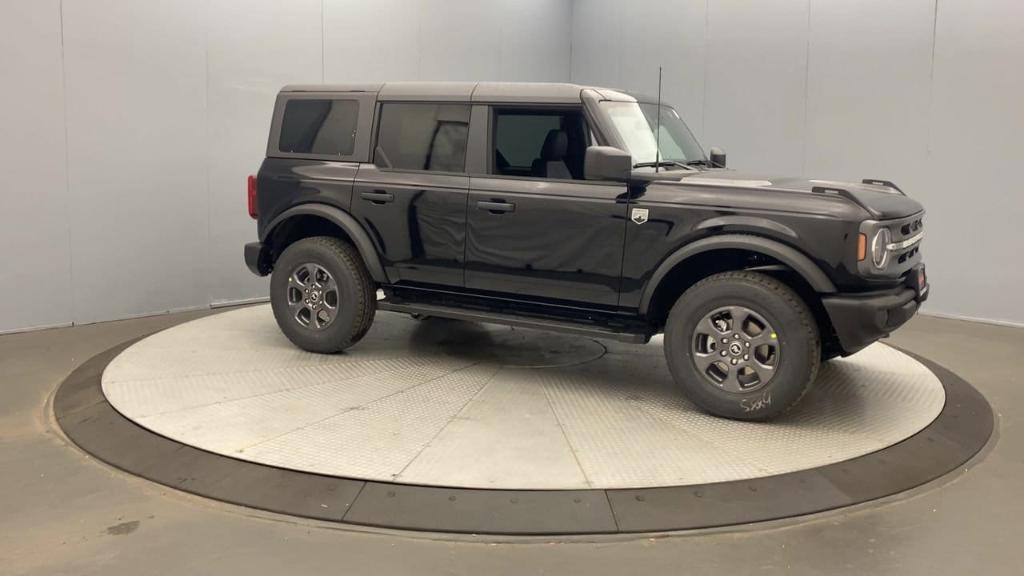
x=860, y=319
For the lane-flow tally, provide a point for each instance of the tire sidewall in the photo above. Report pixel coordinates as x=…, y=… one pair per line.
x=798, y=349
x=342, y=329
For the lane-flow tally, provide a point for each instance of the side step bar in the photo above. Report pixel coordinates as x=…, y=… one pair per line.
x=550, y=325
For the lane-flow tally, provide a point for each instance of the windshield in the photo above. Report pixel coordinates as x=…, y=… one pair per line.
x=636, y=125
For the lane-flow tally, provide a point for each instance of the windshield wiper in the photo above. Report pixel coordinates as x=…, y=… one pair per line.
x=699, y=162
x=662, y=163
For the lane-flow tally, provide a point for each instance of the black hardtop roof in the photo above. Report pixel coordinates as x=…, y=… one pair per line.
x=512, y=92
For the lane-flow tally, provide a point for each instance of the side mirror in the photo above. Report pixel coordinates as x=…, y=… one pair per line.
x=717, y=157
x=607, y=163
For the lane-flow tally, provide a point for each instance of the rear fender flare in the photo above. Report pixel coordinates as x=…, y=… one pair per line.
x=343, y=220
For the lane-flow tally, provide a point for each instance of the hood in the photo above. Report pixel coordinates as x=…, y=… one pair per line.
x=881, y=202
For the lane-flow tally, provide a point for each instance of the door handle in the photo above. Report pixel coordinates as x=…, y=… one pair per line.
x=496, y=207
x=377, y=196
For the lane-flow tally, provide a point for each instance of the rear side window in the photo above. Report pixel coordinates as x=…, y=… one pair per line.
x=423, y=137
x=324, y=127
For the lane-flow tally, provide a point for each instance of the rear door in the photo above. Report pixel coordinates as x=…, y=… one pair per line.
x=535, y=227
x=412, y=198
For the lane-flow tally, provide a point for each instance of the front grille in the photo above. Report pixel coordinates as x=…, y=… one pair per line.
x=906, y=257
x=911, y=228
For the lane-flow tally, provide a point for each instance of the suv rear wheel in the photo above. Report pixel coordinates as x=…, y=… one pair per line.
x=742, y=345
x=322, y=295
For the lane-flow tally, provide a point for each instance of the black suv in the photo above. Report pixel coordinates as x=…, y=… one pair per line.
x=577, y=209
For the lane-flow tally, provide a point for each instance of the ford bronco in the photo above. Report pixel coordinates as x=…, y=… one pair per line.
x=577, y=209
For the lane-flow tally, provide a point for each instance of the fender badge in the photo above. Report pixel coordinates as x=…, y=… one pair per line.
x=639, y=215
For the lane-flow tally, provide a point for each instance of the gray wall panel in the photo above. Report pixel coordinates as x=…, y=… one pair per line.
x=130, y=216
x=168, y=103
x=458, y=39
x=136, y=124
x=35, y=269
x=756, y=82
x=596, y=38
x=848, y=89
x=446, y=40
x=253, y=49
x=535, y=41
x=868, y=88
x=621, y=44
x=973, y=186
x=371, y=41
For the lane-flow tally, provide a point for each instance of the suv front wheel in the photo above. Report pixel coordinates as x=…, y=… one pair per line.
x=742, y=345
x=322, y=295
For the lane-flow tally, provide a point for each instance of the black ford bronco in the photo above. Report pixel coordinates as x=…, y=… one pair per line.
x=577, y=209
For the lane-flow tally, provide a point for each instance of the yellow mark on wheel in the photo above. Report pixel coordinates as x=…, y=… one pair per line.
x=775, y=336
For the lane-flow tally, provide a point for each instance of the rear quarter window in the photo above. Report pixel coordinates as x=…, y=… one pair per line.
x=321, y=127
x=423, y=136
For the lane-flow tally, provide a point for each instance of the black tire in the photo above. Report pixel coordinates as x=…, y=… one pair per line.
x=355, y=302
x=826, y=356
x=799, y=345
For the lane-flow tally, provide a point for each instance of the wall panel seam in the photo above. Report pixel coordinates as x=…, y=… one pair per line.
x=704, y=96
x=207, y=159
x=72, y=310
x=931, y=82
x=807, y=91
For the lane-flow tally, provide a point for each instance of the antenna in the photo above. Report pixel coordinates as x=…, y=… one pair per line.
x=657, y=130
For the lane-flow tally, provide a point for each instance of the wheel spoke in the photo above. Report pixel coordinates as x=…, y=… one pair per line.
x=739, y=315
x=313, y=296
x=303, y=319
x=757, y=370
x=331, y=296
x=328, y=284
x=757, y=364
x=311, y=272
x=300, y=277
x=734, y=362
x=731, y=382
x=703, y=361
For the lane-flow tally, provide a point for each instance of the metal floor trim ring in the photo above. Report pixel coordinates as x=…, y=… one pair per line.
x=961, y=429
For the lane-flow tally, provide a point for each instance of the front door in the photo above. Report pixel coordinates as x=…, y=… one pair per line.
x=412, y=199
x=535, y=228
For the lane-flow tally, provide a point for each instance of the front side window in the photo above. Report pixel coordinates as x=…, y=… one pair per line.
x=539, y=143
x=322, y=127
x=637, y=124
x=423, y=136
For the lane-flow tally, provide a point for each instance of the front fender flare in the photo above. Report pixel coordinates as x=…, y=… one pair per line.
x=788, y=255
x=343, y=220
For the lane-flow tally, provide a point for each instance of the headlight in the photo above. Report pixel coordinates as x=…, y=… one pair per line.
x=880, y=248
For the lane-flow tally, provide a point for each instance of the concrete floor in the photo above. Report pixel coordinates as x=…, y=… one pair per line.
x=63, y=513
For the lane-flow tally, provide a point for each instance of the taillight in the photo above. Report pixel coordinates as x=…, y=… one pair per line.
x=252, y=197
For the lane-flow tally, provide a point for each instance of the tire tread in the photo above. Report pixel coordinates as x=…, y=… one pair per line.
x=364, y=300
x=809, y=328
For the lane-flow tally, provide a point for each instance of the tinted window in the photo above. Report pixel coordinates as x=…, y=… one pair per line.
x=319, y=127
x=423, y=137
x=539, y=143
